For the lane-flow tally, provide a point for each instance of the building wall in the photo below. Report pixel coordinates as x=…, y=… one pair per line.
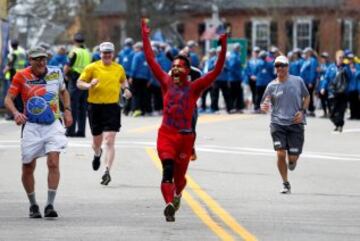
x=329, y=22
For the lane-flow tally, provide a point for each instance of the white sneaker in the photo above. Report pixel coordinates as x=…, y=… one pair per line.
x=286, y=188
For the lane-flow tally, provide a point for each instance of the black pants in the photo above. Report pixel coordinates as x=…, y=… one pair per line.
x=236, y=95
x=354, y=105
x=156, y=102
x=223, y=86
x=78, y=107
x=203, y=98
x=311, y=104
x=128, y=102
x=141, y=95
x=337, y=109
x=259, y=94
x=324, y=102
x=252, y=85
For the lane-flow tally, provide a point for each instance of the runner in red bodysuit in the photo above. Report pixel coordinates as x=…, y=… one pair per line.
x=175, y=137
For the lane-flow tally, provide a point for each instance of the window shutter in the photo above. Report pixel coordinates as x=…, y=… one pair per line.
x=342, y=34
x=289, y=28
x=315, y=41
x=273, y=33
x=355, y=36
x=248, y=32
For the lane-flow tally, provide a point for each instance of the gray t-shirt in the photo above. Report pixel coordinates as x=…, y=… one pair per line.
x=286, y=99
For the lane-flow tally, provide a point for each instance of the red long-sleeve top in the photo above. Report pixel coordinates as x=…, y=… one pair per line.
x=179, y=100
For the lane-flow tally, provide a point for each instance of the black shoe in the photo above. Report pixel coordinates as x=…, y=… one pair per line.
x=70, y=134
x=169, y=212
x=106, y=178
x=80, y=134
x=34, y=211
x=50, y=212
x=96, y=161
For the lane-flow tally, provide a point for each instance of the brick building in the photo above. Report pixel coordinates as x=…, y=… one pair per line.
x=325, y=25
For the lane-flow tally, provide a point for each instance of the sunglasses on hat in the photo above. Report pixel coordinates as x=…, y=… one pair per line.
x=280, y=65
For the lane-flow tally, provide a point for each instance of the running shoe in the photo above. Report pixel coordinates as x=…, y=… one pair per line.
x=137, y=113
x=292, y=165
x=286, y=188
x=169, y=212
x=176, y=202
x=105, y=178
x=50, y=212
x=34, y=211
x=96, y=161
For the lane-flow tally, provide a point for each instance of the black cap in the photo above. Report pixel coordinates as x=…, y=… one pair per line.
x=79, y=38
x=14, y=43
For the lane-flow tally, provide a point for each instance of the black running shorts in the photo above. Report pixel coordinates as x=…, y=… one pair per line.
x=104, y=117
x=290, y=138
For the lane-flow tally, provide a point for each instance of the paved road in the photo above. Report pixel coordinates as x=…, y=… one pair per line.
x=232, y=193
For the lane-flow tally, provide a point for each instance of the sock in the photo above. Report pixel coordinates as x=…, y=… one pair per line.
x=32, y=198
x=97, y=154
x=51, y=197
x=167, y=190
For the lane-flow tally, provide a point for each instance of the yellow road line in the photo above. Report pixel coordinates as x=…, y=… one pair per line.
x=195, y=205
x=218, y=210
x=202, y=119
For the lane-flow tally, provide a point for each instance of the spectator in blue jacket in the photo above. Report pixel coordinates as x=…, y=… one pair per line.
x=60, y=59
x=249, y=73
x=124, y=58
x=95, y=55
x=264, y=74
x=139, y=78
x=353, y=88
x=321, y=89
x=194, y=58
x=298, y=62
x=205, y=69
x=235, y=80
x=309, y=74
x=221, y=83
x=338, y=76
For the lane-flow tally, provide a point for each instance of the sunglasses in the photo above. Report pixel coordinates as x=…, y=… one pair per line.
x=39, y=59
x=281, y=65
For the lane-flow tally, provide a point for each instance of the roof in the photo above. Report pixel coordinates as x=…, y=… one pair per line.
x=239, y=4
x=115, y=7
x=110, y=7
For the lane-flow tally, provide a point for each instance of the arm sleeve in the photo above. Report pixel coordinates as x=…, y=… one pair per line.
x=123, y=75
x=87, y=74
x=16, y=85
x=206, y=80
x=159, y=74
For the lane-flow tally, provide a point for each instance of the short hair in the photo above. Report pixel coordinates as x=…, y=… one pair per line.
x=185, y=59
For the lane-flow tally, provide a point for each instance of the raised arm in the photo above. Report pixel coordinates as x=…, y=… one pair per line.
x=156, y=69
x=206, y=80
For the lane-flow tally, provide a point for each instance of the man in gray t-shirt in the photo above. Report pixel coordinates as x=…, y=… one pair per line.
x=288, y=97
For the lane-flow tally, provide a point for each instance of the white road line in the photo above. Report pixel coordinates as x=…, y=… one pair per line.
x=351, y=130
x=249, y=151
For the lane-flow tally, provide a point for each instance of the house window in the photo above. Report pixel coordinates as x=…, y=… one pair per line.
x=348, y=35
x=302, y=33
x=261, y=33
